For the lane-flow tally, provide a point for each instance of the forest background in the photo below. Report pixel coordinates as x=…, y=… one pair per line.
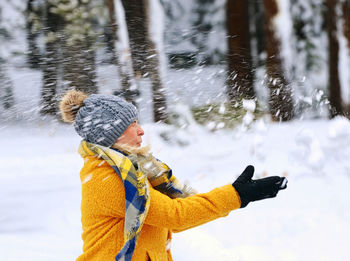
x=219, y=85
x=290, y=57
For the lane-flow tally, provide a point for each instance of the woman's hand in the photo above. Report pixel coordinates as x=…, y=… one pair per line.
x=251, y=190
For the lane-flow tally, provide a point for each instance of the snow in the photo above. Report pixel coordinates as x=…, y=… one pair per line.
x=249, y=105
x=40, y=190
x=40, y=187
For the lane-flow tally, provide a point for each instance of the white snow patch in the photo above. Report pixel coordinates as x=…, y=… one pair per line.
x=249, y=105
x=87, y=178
x=339, y=128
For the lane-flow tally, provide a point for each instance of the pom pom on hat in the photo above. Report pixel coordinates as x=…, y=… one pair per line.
x=70, y=105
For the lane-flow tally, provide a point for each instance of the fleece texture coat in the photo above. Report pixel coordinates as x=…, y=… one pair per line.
x=103, y=211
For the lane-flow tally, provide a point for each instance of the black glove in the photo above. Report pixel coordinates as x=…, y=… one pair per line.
x=251, y=190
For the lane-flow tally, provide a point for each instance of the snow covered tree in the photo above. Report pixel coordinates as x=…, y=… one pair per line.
x=144, y=53
x=207, y=24
x=69, y=59
x=78, y=37
x=239, y=60
x=333, y=59
x=309, y=52
x=53, y=23
x=179, y=46
x=33, y=28
x=6, y=86
x=308, y=27
x=202, y=27
x=281, y=103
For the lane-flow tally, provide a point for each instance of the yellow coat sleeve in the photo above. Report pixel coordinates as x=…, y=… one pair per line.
x=104, y=191
x=184, y=213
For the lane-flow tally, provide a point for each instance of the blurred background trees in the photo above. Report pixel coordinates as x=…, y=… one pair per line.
x=240, y=74
x=281, y=103
x=286, y=54
x=144, y=53
x=6, y=92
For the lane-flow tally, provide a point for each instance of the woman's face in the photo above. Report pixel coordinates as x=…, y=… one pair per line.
x=132, y=136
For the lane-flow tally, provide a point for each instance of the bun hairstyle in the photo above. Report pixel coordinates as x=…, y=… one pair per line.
x=70, y=104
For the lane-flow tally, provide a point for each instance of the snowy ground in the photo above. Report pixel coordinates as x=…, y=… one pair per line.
x=40, y=191
x=40, y=185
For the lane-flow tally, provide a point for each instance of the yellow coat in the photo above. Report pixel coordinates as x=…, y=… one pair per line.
x=103, y=209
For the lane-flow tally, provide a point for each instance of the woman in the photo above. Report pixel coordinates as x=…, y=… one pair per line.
x=131, y=202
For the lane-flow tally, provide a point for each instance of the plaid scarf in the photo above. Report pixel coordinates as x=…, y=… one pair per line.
x=136, y=171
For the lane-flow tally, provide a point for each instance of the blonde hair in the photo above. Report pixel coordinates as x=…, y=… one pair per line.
x=131, y=150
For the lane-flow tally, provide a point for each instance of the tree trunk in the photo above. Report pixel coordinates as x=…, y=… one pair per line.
x=145, y=57
x=333, y=60
x=135, y=16
x=79, y=69
x=153, y=67
x=50, y=79
x=257, y=15
x=33, y=55
x=6, y=87
x=129, y=88
x=240, y=74
x=76, y=58
x=159, y=96
x=346, y=14
x=53, y=24
x=281, y=103
x=346, y=26
x=110, y=31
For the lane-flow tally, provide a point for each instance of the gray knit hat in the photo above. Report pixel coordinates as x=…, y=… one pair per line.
x=103, y=118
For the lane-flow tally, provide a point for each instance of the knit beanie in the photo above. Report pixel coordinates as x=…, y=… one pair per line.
x=99, y=119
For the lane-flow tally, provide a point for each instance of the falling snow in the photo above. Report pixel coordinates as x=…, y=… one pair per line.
x=40, y=187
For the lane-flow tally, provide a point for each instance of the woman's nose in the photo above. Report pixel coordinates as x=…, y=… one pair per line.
x=140, y=131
